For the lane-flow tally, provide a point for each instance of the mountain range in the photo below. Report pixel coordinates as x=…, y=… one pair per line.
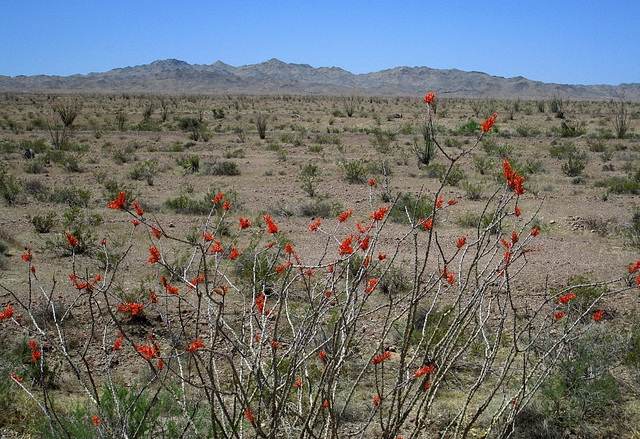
x=277, y=77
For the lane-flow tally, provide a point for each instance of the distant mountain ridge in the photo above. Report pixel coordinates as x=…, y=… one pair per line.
x=277, y=77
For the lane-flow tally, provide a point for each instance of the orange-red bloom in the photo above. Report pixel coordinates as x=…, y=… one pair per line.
x=27, y=257
x=156, y=232
x=378, y=359
x=323, y=357
x=372, y=182
x=381, y=256
x=117, y=346
x=95, y=420
x=271, y=227
x=313, y=227
x=558, y=315
x=423, y=371
x=462, y=241
x=452, y=202
x=218, y=198
x=376, y=401
x=250, y=416
x=439, y=203
x=135, y=222
x=155, y=255
x=35, y=353
x=275, y=345
x=207, y=236
x=635, y=267
x=513, y=179
x=488, y=124
x=345, y=247
x=428, y=224
x=343, y=217
x=298, y=383
x=566, y=299
x=517, y=211
x=15, y=377
x=71, y=240
x=195, y=345
x=514, y=237
x=234, y=253
x=7, y=314
x=245, y=223
x=379, y=215
x=119, y=202
x=135, y=308
x=429, y=98
x=535, y=231
x=217, y=248
x=597, y=316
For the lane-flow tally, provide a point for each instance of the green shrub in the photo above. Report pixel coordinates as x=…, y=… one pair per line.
x=454, y=177
x=10, y=186
x=145, y=171
x=190, y=164
x=408, y=206
x=470, y=128
x=224, y=167
x=575, y=164
x=562, y=150
x=354, y=171
x=44, y=224
x=71, y=196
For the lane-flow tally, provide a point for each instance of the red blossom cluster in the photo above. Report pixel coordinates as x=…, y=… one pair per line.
x=85, y=285
x=195, y=346
x=343, y=216
x=379, y=214
x=234, y=253
x=217, y=248
x=261, y=303
x=597, y=316
x=462, y=241
x=117, y=346
x=378, y=359
x=249, y=415
x=155, y=255
x=71, y=240
x=7, y=314
x=429, y=98
x=149, y=352
x=423, y=371
x=323, y=357
x=95, y=420
x=119, y=202
x=313, y=227
x=372, y=284
x=566, y=299
x=298, y=383
x=244, y=223
x=513, y=179
x=134, y=308
x=138, y=209
x=559, y=315
x=271, y=227
x=170, y=289
x=345, y=247
x=488, y=124
x=35, y=353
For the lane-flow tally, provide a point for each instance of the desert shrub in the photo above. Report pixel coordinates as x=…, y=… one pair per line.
x=525, y=130
x=310, y=178
x=80, y=225
x=186, y=204
x=70, y=195
x=562, y=150
x=470, y=128
x=425, y=148
x=354, y=171
x=44, y=223
x=37, y=190
x=124, y=155
x=320, y=209
x=620, y=185
x=190, y=164
x=453, y=176
x=112, y=188
x=238, y=153
x=571, y=128
x=10, y=187
x=224, y=167
x=596, y=145
x=473, y=191
x=34, y=167
x=407, y=208
x=575, y=164
x=261, y=123
x=145, y=171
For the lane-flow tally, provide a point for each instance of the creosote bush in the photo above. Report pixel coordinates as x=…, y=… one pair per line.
x=236, y=331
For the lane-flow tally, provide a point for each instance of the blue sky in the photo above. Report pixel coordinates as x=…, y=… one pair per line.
x=564, y=41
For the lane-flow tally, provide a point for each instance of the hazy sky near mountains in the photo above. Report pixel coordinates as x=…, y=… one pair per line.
x=563, y=41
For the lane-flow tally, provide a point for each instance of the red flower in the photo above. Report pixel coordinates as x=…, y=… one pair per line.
x=288, y=249
x=517, y=211
x=558, y=315
x=313, y=227
x=439, y=203
x=343, y=217
x=271, y=227
x=95, y=420
x=135, y=222
x=15, y=377
x=157, y=233
x=135, y=308
x=245, y=223
x=376, y=401
x=372, y=284
x=71, y=240
x=160, y=364
x=429, y=98
x=221, y=290
x=27, y=257
x=450, y=279
x=566, y=299
x=597, y=316
x=362, y=229
x=632, y=268
x=379, y=215
x=345, y=247
x=148, y=351
x=119, y=202
x=217, y=248
x=328, y=293
x=275, y=345
x=428, y=224
x=298, y=383
x=250, y=416
x=378, y=359
x=234, y=253
x=513, y=179
x=7, y=314
x=364, y=245
x=488, y=124
x=138, y=209
x=323, y=357
x=155, y=255
x=207, y=236
x=195, y=345
x=35, y=353
x=452, y=202
x=381, y=256
x=218, y=198
x=117, y=345
x=427, y=386
x=514, y=237
x=260, y=304
x=462, y=241
x=425, y=370
x=372, y=182
x=226, y=205
x=535, y=231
